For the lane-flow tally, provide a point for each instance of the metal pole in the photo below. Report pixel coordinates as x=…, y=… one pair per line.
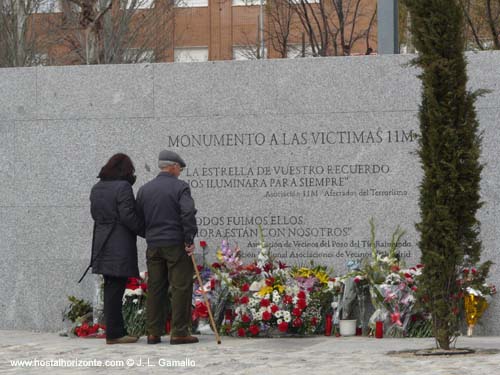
x=388, y=38
x=261, y=29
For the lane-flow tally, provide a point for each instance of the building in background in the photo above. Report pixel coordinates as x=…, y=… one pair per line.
x=65, y=32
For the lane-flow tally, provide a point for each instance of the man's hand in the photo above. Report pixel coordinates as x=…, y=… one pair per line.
x=190, y=249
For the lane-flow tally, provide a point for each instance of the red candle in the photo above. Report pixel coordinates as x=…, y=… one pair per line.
x=167, y=327
x=379, y=329
x=328, y=325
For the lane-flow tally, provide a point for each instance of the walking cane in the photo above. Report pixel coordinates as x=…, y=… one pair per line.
x=212, y=322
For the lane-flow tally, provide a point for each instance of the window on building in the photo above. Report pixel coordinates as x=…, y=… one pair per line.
x=138, y=55
x=193, y=54
x=297, y=50
x=47, y=6
x=138, y=4
x=237, y=3
x=247, y=52
x=191, y=3
x=40, y=59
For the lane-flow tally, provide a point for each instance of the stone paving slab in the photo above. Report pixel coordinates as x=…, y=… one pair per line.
x=235, y=356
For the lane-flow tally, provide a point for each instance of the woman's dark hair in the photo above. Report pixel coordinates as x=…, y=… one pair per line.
x=118, y=167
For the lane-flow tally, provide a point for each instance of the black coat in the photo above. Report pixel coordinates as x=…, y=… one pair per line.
x=112, y=206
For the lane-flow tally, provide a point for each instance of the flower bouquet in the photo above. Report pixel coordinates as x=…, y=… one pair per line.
x=134, y=305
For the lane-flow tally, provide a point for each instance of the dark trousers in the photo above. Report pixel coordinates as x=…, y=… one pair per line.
x=169, y=267
x=114, y=287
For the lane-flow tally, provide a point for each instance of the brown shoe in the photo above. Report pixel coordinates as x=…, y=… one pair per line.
x=122, y=340
x=183, y=340
x=154, y=339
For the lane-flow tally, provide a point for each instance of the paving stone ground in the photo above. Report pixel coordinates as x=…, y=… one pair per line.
x=305, y=356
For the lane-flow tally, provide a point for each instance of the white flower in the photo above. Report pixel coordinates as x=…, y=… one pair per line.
x=142, y=275
x=278, y=314
x=287, y=318
x=139, y=312
x=258, y=316
x=276, y=298
x=135, y=300
x=474, y=292
x=295, y=299
x=280, y=321
x=335, y=305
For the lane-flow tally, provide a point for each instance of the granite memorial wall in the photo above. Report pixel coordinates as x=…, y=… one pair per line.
x=307, y=149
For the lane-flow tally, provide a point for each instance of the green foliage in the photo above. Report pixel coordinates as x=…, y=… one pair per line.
x=76, y=309
x=450, y=146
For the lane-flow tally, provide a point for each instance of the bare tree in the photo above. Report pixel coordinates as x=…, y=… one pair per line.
x=333, y=27
x=18, y=41
x=280, y=17
x=116, y=31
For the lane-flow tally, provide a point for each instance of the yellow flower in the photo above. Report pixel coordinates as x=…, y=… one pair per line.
x=219, y=255
x=322, y=277
x=279, y=288
x=265, y=290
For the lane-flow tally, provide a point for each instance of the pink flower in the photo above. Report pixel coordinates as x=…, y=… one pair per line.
x=396, y=318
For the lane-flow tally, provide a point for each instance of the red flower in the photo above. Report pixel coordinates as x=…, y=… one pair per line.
x=281, y=265
x=283, y=326
x=408, y=275
x=215, y=265
x=265, y=302
x=301, y=295
x=314, y=321
x=268, y=267
x=297, y=312
x=274, y=308
x=395, y=268
x=466, y=271
x=245, y=287
x=241, y=332
x=236, y=300
x=266, y=315
x=419, y=265
x=245, y=318
x=244, y=300
x=301, y=304
x=287, y=299
x=357, y=280
x=133, y=283
x=270, y=281
x=203, y=244
x=474, y=271
x=455, y=310
x=297, y=322
x=254, y=330
x=144, y=286
x=414, y=288
x=200, y=268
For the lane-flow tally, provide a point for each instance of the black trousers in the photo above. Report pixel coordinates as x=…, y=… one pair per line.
x=114, y=287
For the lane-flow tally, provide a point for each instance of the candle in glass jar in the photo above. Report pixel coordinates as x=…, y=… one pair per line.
x=379, y=329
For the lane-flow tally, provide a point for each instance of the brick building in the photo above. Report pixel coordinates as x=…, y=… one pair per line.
x=205, y=30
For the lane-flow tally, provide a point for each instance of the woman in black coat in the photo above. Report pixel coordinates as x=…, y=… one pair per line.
x=114, y=247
